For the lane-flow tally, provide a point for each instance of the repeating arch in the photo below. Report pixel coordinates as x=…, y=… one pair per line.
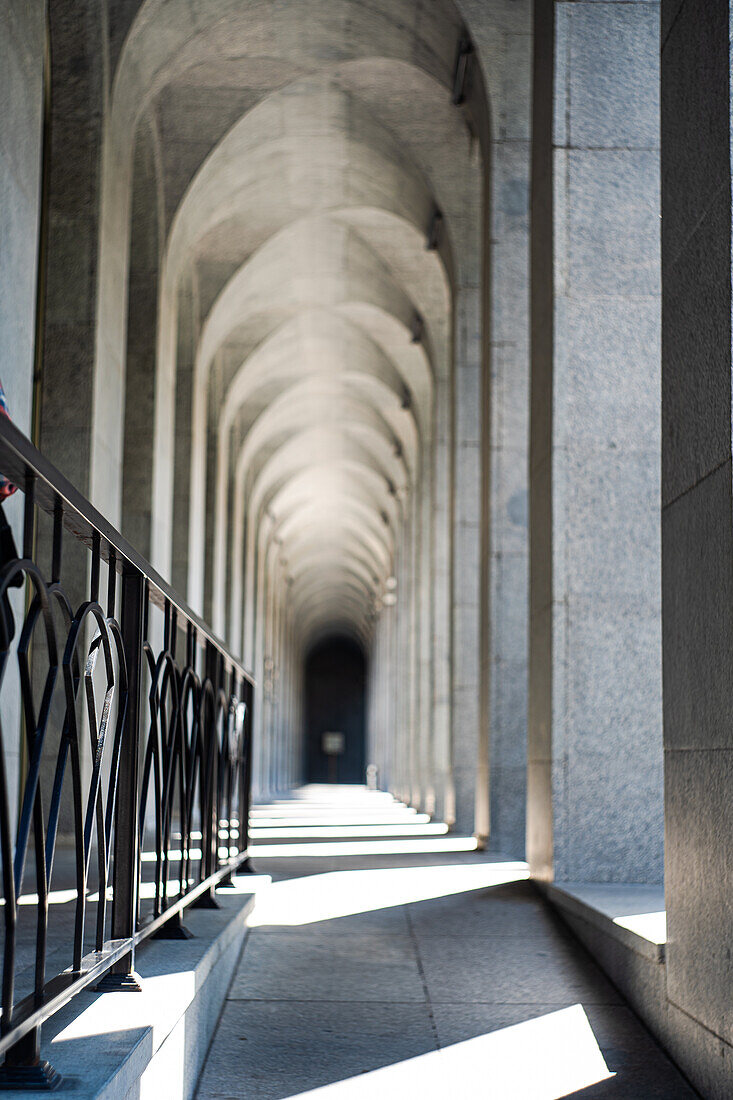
x=318, y=325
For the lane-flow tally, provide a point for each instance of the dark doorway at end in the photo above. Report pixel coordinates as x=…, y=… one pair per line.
x=335, y=679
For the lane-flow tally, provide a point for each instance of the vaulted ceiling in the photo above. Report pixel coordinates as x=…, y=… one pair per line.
x=306, y=151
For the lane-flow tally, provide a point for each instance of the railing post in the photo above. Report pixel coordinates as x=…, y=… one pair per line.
x=126, y=867
x=245, y=790
x=233, y=693
x=24, y=1069
x=210, y=823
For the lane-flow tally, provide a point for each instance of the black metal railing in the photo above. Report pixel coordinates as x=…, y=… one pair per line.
x=135, y=770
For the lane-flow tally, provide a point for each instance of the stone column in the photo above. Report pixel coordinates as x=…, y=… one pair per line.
x=506, y=435
x=697, y=533
x=466, y=670
x=388, y=618
x=595, y=742
x=80, y=81
x=138, y=505
x=426, y=626
x=441, y=520
x=22, y=44
x=401, y=652
x=187, y=336
x=411, y=537
x=260, y=746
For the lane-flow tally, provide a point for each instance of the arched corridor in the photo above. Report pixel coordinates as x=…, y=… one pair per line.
x=317, y=467
x=367, y=366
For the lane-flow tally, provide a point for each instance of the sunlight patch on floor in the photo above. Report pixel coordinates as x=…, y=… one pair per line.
x=123, y=1011
x=346, y=893
x=335, y=832
x=547, y=1058
x=367, y=848
x=336, y=818
x=650, y=926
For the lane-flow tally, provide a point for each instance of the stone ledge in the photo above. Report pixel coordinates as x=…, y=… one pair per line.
x=631, y=913
x=151, y=1045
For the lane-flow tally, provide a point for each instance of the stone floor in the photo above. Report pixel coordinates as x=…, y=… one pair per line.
x=390, y=959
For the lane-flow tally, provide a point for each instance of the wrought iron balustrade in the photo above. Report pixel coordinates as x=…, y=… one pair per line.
x=136, y=757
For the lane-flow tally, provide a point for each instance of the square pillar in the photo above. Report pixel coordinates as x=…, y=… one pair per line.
x=594, y=738
x=697, y=534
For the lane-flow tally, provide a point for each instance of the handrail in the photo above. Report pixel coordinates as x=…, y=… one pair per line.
x=22, y=463
x=169, y=742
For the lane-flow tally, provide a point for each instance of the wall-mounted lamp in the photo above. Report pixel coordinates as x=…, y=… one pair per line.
x=434, y=228
x=460, y=70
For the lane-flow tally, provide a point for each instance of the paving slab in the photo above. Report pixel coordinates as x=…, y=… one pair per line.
x=269, y=1050
x=495, y=971
x=508, y=910
x=322, y=967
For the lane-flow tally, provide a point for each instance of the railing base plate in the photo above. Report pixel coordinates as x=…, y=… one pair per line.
x=206, y=901
x=39, y=1078
x=120, y=983
x=174, y=929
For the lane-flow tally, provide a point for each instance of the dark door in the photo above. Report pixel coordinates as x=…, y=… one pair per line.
x=335, y=675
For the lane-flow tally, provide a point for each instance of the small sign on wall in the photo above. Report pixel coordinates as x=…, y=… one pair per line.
x=333, y=744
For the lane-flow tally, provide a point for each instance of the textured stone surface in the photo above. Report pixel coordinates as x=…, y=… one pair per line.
x=696, y=344
x=698, y=631
x=696, y=535
x=549, y=973
x=614, y=92
x=623, y=332
x=699, y=967
x=695, y=163
x=697, y=354
x=271, y=1049
x=355, y=966
x=21, y=92
x=612, y=203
